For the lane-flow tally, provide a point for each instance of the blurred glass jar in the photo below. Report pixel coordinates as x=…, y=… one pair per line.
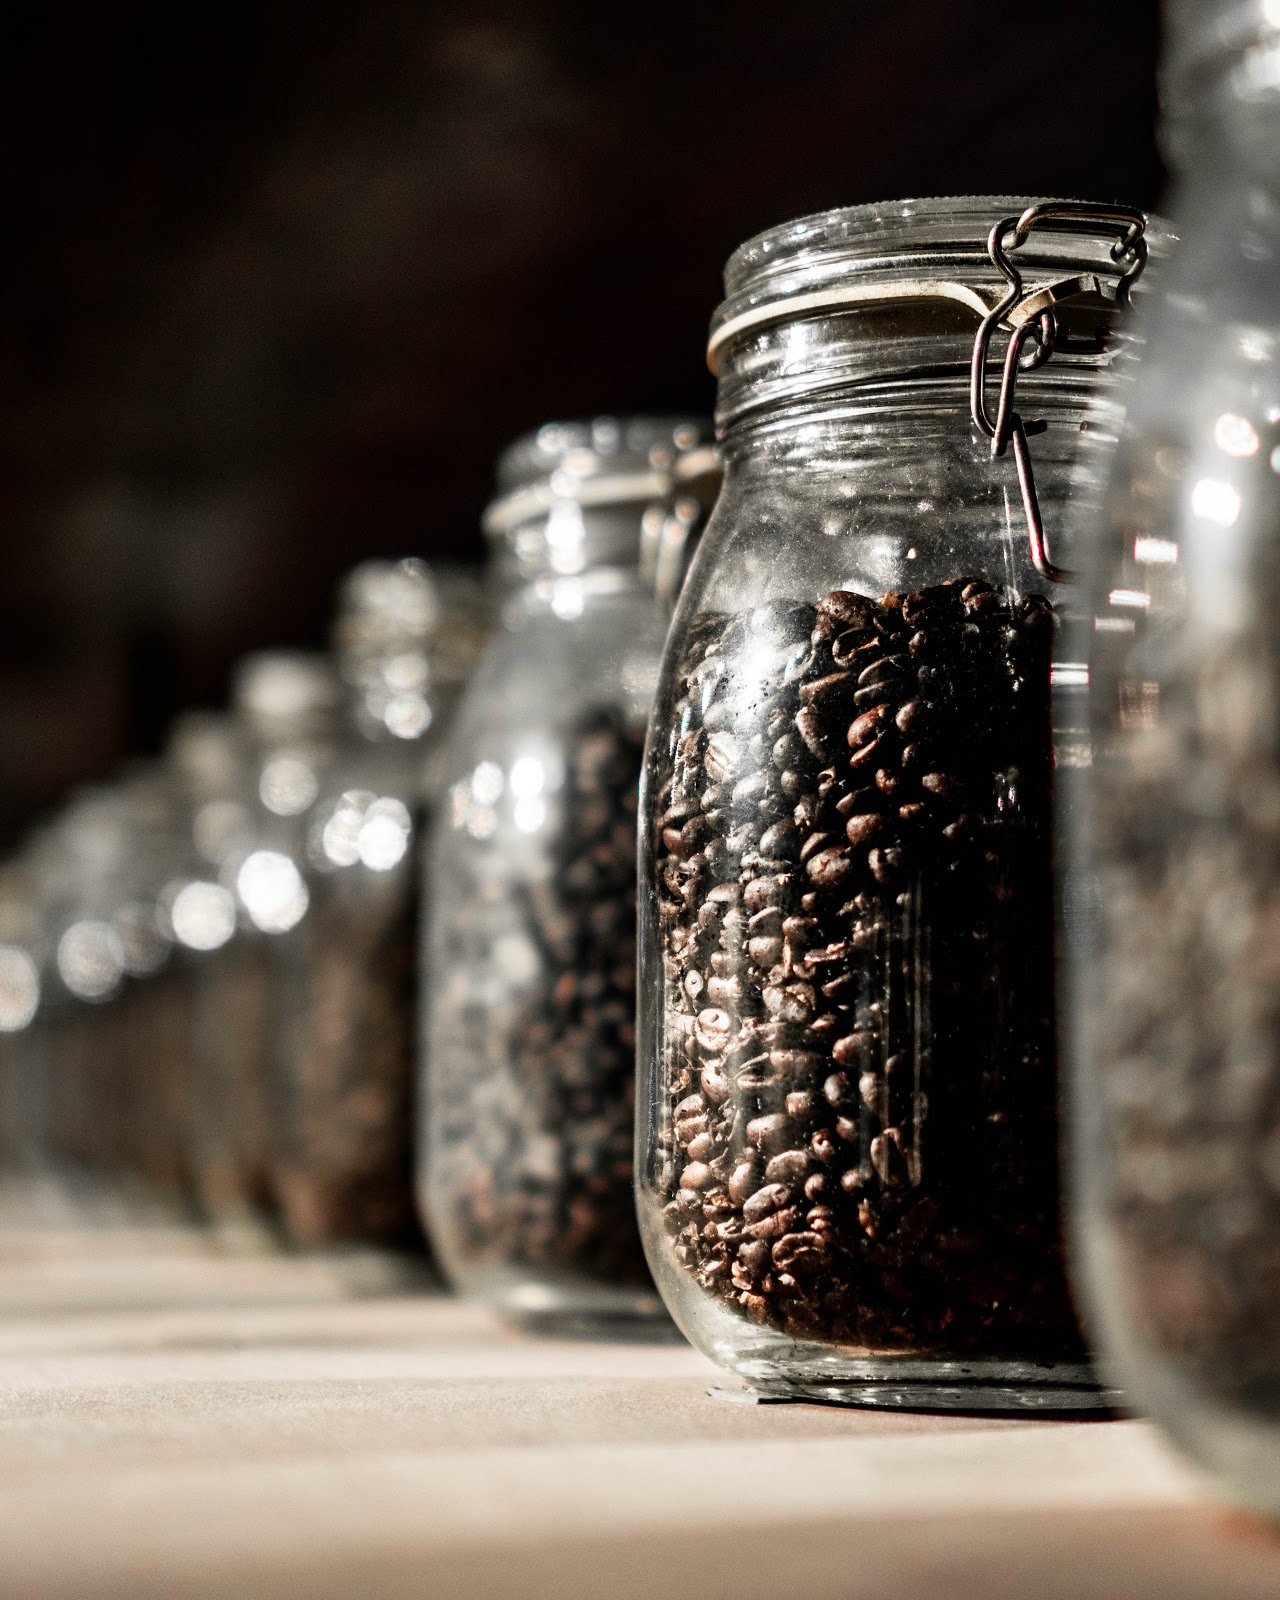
x=250, y=783
x=848, y=1134
x=406, y=638
x=153, y=1123
x=23, y=1113
x=529, y=955
x=92, y=872
x=230, y=979
x=1177, y=871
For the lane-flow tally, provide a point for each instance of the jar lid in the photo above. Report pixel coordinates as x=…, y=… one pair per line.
x=602, y=464
x=901, y=288
x=285, y=693
x=388, y=606
x=404, y=630
x=388, y=599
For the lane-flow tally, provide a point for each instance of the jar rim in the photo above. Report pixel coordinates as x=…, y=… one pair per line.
x=912, y=254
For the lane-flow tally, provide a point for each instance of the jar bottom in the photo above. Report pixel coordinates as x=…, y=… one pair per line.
x=990, y=1387
x=777, y=1366
x=565, y=1307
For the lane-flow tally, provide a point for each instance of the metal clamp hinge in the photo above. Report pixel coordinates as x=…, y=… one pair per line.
x=1032, y=315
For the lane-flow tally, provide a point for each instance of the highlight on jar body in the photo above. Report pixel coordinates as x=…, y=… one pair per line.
x=1177, y=873
x=848, y=1162
x=529, y=959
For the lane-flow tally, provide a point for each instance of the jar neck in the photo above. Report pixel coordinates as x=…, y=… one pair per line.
x=567, y=598
x=573, y=542
x=831, y=428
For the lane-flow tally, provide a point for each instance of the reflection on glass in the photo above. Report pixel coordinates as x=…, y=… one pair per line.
x=1213, y=500
x=90, y=961
x=19, y=989
x=287, y=785
x=272, y=891
x=203, y=916
x=1235, y=435
x=144, y=941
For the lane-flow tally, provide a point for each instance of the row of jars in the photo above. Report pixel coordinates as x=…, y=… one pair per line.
x=963, y=761
x=207, y=966
x=964, y=737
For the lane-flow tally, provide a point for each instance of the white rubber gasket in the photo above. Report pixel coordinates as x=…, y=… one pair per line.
x=566, y=488
x=857, y=294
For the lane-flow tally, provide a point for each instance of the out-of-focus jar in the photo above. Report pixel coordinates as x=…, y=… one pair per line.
x=229, y=978
x=529, y=956
x=848, y=1130
x=406, y=638
x=1176, y=875
x=89, y=868
x=23, y=1114
x=80, y=872
x=154, y=1096
x=251, y=784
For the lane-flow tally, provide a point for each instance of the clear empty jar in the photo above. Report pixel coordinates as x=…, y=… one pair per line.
x=1177, y=879
x=848, y=1136
x=529, y=960
x=406, y=638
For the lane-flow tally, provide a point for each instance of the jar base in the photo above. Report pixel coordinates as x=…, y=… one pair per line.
x=552, y=1308
x=605, y=1327
x=976, y=1388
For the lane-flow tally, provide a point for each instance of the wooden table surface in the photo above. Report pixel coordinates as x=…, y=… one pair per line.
x=176, y=1423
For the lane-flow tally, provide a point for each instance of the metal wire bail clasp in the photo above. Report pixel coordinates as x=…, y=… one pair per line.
x=1030, y=316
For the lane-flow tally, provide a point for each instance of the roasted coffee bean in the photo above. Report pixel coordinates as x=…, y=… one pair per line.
x=865, y=828
x=863, y=729
x=904, y=954
x=830, y=867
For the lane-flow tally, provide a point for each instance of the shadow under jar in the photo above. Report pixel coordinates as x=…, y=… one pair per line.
x=848, y=1141
x=529, y=956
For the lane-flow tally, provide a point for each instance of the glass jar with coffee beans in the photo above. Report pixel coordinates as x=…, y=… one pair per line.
x=848, y=1137
x=529, y=956
x=406, y=638
x=1177, y=870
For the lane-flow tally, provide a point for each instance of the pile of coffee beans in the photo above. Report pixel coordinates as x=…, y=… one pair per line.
x=858, y=1139
x=538, y=1120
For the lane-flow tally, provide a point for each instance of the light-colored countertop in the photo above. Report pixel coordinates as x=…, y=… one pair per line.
x=174, y=1423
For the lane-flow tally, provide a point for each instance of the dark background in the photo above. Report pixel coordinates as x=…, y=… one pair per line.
x=280, y=279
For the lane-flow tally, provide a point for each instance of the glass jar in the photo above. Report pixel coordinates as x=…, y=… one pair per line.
x=86, y=867
x=1177, y=870
x=23, y=1114
x=529, y=956
x=848, y=1136
x=251, y=784
x=405, y=640
x=154, y=1096
x=229, y=978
